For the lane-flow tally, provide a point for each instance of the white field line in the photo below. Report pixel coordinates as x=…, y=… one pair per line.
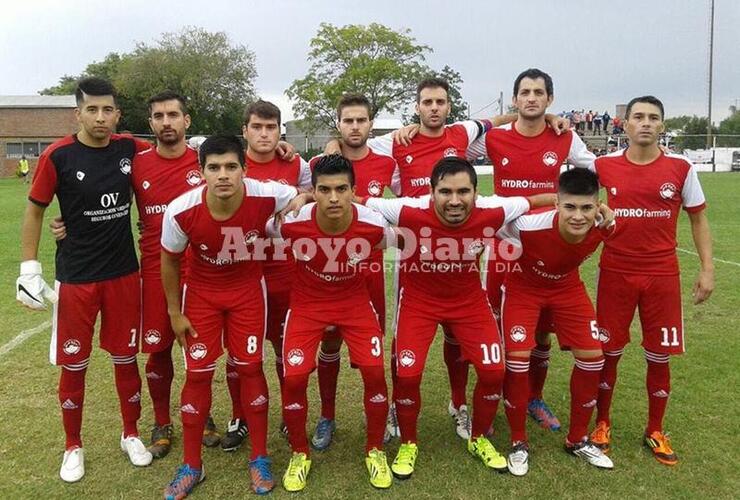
x=23, y=336
x=713, y=258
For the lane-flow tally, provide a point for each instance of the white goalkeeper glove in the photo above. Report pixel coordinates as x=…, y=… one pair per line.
x=31, y=289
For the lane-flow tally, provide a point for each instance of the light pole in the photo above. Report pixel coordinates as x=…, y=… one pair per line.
x=711, y=56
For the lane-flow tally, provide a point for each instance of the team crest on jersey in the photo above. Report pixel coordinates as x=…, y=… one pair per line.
x=550, y=159
x=409, y=158
x=540, y=263
x=603, y=335
x=198, y=351
x=193, y=178
x=518, y=333
x=504, y=161
x=295, y=357
x=476, y=247
x=72, y=346
x=668, y=191
x=374, y=188
x=354, y=259
x=80, y=175
x=251, y=237
x=450, y=152
x=407, y=358
x=152, y=337
x=145, y=184
x=613, y=191
x=125, y=165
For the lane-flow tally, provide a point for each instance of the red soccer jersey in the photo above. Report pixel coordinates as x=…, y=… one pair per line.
x=546, y=259
x=524, y=166
x=646, y=200
x=373, y=174
x=294, y=173
x=229, y=253
x=157, y=181
x=329, y=268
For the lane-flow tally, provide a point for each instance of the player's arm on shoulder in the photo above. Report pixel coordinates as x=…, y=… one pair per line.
x=390, y=208
x=285, y=150
x=381, y=145
x=513, y=206
x=476, y=149
x=31, y=289
x=579, y=156
x=304, y=176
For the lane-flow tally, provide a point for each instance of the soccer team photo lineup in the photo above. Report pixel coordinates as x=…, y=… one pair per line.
x=248, y=252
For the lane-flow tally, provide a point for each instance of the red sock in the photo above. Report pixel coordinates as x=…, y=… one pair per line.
x=255, y=399
x=128, y=386
x=232, y=382
x=195, y=406
x=295, y=410
x=159, y=374
x=486, y=396
x=328, y=373
x=375, y=398
x=584, y=389
x=538, y=370
x=516, y=392
x=457, y=371
x=71, y=399
x=407, y=396
x=658, y=383
x=606, y=386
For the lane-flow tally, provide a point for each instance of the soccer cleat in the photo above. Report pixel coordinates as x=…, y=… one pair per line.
x=518, y=460
x=482, y=448
x=660, y=445
x=377, y=467
x=260, y=475
x=186, y=478
x=236, y=431
x=73, y=465
x=323, y=434
x=601, y=436
x=403, y=465
x=543, y=415
x=136, y=451
x=211, y=437
x=590, y=453
x=161, y=440
x=391, y=424
x=296, y=474
x=463, y=424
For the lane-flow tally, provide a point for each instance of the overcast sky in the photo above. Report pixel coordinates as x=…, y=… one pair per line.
x=599, y=53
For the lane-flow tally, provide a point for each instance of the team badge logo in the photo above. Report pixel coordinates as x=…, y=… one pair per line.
x=152, y=337
x=603, y=335
x=550, y=159
x=668, y=191
x=407, y=358
x=374, y=188
x=354, y=259
x=295, y=357
x=540, y=263
x=504, y=161
x=476, y=247
x=251, y=237
x=193, y=178
x=409, y=159
x=145, y=184
x=203, y=247
x=80, y=175
x=198, y=351
x=125, y=165
x=450, y=152
x=72, y=346
x=518, y=333
x=613, y=191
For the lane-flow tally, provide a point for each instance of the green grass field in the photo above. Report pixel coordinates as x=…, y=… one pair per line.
x=704, y=403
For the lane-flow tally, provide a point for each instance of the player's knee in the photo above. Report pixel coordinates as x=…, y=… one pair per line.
x=587, y=353
x=490, y=378
x=250, y=370
x=522, y=355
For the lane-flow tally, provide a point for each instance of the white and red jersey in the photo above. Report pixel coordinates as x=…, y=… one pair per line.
x=416, y=161
x=440, y=262
x=157, y=181
x=524, y=166
x=546, y=259
x=226, y=253
x=373, y=174
x=291, y=173
x=330, y=268
x=646, y=200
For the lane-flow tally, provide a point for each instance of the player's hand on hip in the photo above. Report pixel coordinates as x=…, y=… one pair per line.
x=404, y=135
x=181, y=327
x=31, y=289
x=58, y=229
x=703, y=286
x=285, y=150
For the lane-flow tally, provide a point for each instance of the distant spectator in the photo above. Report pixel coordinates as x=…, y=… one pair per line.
x=23, y=169
x=578, y=122
x=597, y=123
x=590, y=121
x=605, y=119
x=617, y=126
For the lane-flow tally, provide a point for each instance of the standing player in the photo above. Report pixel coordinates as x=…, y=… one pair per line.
x=96, y=267
x=647, y=188
x=373, y=173
x=553, y=244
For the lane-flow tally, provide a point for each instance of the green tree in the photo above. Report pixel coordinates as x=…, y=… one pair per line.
x=730, y=126
x=373, y=60
x=693, y=133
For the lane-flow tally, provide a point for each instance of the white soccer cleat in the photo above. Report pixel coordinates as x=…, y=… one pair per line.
x=463, y=424
x=590, y=453
x=136, y=451
x=73, y=465
x=518, y=459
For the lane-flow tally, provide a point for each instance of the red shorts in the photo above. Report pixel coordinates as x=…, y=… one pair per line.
x=304, y=329
x=279, y=282
x=659, y=302
x=73, y=323
x=472, y=324
x=234, y=318
x=156, y=329
x=569, y=308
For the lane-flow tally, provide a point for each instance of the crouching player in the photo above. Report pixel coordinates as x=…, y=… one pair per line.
x=553, y=245
x=223, y=298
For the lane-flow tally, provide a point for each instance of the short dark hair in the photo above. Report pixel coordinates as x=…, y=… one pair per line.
x=93, y=85
x=219, y=145
x=431, y=83
x=534, y=74
x=333, y=165
x=579, y=181
x=452, y=165
x=649, y=99
x=352, y=100
x=263, y=109
x=169, y=95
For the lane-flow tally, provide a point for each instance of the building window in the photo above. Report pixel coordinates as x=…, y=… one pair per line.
x=30, y=149
x=14, y=149
x=43, y=146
